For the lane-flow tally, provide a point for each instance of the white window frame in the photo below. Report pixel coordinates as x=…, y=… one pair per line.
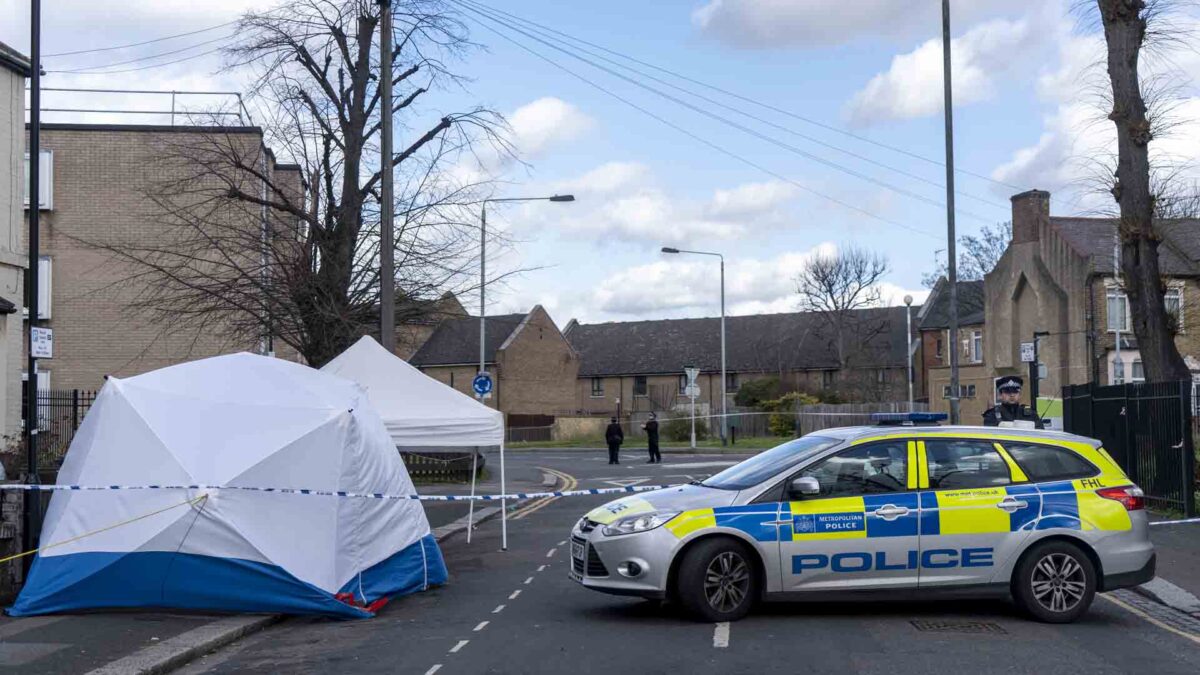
x=45, y=289
x=1113, y=292
x=46, y=184
x=1176, y=289
x=977, y=346
x=593, y=383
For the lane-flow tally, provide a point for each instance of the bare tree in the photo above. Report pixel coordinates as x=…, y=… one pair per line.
x=978, y=255
x=1130, y=27
x=836, y=286
x=252, y=249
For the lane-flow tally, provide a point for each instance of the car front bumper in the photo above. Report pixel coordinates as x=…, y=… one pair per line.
x=604, y=563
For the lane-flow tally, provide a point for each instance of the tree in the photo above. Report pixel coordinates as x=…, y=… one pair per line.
x=835, y=286
x=250, y=250
x=1127, y=25
x=978, y=255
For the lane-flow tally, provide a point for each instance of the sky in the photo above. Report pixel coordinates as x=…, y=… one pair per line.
x=823, y=129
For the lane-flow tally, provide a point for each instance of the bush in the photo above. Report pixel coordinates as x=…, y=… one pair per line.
x=784, y=422
x=752, y=393
x=680, y=429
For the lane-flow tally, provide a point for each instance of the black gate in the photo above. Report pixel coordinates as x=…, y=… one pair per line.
x=60, y=412
x=1148, y=429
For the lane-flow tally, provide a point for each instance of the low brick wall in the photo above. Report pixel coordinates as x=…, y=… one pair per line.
x=12, y=504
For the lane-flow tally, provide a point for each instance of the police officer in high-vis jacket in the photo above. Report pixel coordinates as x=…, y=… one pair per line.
x=1010, y=408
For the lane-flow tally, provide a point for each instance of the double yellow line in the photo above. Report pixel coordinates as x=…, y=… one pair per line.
x=569, y=482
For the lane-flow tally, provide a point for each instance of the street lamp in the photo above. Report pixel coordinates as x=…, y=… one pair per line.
x=483, y=332
x=724, y=402
x=908, y=301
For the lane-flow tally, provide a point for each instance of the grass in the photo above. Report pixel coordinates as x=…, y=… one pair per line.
x=758, y=443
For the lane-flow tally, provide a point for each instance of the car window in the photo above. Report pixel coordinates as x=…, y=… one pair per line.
x=959, y=464
x=1046, y=462
x=862, y=470
x=764, y=465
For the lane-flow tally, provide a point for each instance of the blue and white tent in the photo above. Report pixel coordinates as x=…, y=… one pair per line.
x=241, y=421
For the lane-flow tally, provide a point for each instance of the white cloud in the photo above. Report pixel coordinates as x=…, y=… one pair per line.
x=676, y=286
x=912, y=85
x=540, y=125
x=806, y=23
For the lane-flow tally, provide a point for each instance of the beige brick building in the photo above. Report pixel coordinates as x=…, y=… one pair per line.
x=97, y=188
x=13, y=259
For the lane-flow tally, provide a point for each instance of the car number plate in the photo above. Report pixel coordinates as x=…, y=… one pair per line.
x=577, y=550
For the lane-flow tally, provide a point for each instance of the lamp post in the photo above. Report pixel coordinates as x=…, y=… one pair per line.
x=724, y=376
x=483, y=329
x=908, y=301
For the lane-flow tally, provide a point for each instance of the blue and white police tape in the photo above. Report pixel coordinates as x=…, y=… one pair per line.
x=338, y=493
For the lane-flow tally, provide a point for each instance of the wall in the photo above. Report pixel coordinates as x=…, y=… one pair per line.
x=1187, y=340
x=537, y=368
x=13, y=256
x=460, y=377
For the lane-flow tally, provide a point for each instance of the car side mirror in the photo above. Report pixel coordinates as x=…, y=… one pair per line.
x=805, y=486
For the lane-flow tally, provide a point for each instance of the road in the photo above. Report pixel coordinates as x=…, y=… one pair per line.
x=516, y=612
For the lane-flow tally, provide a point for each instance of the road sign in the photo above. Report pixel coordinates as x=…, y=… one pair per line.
x=41, y=342
x=692, y=391
x=691, y=374
x=1027, y=352
x=482, y=384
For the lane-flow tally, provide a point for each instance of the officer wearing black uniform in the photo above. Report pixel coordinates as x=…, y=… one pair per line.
x=1010, y=408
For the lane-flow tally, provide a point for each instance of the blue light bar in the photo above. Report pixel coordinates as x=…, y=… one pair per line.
x=907, y=418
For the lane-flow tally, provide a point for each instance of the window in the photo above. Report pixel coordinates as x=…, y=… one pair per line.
x=827, y=378
x=1173, y=299
x=45, y=287
x=964, y=391
x=1136, y=372
x=597, y=387
x=866, y=469
x=683, y=385
x=940, y=345
x=961, y=464
x=45, y=178
x=1118, y=310
x=731, y=381
x=976, y=346
x=639, y=385
x=1046, y=462
x=767, y=464
x=970, y=391
x=452, y=379
x=946, y=391
x=881, y=376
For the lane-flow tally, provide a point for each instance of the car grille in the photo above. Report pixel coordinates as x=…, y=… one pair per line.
x=593, y=566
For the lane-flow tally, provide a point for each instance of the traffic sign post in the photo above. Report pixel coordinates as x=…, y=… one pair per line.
x=482, y=384
x=41, y=342
x=692, y=391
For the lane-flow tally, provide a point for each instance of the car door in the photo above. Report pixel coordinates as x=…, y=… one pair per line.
x=861, y=530
x=972, y=510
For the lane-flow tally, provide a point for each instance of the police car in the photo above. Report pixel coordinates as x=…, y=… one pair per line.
x=1044, y=517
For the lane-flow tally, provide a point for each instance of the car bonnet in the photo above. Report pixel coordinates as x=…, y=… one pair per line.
x=672, y=499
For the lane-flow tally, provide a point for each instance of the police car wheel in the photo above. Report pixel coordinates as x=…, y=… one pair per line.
x=1055, y=582
x=718, y=580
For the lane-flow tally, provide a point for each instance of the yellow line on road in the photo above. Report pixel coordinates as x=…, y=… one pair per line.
x=569, y=483
x=1156, y=622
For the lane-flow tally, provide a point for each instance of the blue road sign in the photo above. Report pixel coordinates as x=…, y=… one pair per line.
x=482, y=384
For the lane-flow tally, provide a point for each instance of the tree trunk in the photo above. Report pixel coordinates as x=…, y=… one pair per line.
x=1125, y=32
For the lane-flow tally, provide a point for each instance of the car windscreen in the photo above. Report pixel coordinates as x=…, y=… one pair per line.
x=762, y=466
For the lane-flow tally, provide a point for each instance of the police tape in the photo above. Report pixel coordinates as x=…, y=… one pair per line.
x=339, y=493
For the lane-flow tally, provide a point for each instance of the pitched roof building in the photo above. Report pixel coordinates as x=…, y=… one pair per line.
x=14, y=68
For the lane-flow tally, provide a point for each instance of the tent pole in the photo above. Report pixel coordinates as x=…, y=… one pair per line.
x=471, y=512
x=503, y=503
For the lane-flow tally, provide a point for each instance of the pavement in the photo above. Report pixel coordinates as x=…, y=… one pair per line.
x=515, y=611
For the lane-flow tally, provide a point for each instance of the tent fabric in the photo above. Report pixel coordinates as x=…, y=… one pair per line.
x=416, y=409
x=237, y=420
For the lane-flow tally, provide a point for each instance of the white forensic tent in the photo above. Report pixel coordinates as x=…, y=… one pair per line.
x=420, y=411
x=416, y=409
x=236, y=421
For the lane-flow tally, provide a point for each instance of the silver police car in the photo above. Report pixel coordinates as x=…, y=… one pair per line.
x=1048, y=518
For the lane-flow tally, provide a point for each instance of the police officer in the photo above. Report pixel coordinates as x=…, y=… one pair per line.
x=651, y=428
x=1010, y=408
x=614, y=437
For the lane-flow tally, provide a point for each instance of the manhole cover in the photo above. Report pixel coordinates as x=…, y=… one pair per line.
x=957, y=627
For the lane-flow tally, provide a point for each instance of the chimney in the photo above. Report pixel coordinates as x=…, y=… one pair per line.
x=1030, y=213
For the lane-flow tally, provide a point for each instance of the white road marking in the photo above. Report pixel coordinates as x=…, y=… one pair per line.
x=514, y=595
x=563, y=542
x=627, y=482
x=498, y=609
x=460, y=645
x=721, y=635
x=434, y=669
x=481, y=626
x=541, y=567
x=529, y=581
x=551, y=552
x=701, y=465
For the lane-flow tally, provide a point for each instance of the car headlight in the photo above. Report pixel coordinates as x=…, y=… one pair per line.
x=638, y=523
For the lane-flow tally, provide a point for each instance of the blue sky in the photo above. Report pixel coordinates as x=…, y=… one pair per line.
x=1023, y=117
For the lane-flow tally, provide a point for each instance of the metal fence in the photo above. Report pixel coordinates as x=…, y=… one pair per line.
x=1148, y=429
x=440, y=467
x=60, y=412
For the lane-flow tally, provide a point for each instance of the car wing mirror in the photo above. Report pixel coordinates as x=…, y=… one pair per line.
x=805, y=486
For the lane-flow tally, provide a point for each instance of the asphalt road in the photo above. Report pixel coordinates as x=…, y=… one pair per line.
x=517, y=612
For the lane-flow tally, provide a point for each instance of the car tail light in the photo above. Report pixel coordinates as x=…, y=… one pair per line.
x=1132, y=498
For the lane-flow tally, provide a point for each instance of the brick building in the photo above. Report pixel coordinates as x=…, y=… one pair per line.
x=974, y=377
x=96, y=188
x=14, y=68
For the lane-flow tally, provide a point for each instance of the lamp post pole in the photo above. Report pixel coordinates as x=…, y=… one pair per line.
x=483, y=330
x=33, y=500
x=952, y=254
x=908, y=301
x=387, y=234
x=724, y=374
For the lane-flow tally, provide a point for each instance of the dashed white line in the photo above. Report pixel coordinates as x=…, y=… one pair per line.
x=460, y=645
x=514, y=595
x=721, y=635
x=529, y=581
x=563, y=542
x=541, y=567
x=481, y=626
x=434, y=669
x=498, y=609
x=551, y=552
